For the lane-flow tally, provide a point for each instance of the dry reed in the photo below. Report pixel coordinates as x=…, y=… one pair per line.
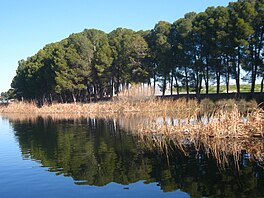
x=222, y=135
x=219, y=124
x=162, y=106
x=137, y=92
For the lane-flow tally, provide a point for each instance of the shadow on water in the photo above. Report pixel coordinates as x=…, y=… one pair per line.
x=100, y=151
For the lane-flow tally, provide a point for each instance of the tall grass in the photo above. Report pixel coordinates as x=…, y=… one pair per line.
x=117, y=106
x=137, y=92
x=224, y=134
x=221, y=123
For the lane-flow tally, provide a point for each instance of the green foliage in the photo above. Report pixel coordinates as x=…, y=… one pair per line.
x=129, y=51
x=215, y=46
x=5, y=96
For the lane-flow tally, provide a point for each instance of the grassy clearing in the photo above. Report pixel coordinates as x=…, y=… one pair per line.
x=244, y=88
x=232, y=88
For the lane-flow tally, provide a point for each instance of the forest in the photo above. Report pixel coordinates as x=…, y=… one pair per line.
x=214, y=47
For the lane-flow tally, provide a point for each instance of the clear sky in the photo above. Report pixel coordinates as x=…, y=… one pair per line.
x=28, y=25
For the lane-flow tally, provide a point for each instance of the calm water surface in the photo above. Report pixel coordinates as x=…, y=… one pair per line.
x=95, y=158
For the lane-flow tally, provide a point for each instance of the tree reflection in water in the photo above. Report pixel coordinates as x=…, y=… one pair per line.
x=97, y=152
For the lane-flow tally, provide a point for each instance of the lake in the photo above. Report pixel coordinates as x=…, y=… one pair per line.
x=91, y=157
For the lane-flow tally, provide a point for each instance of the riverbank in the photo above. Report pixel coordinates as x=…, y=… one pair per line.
x=224, y=127
x=220, y=119
x=181, y=107
x=104, y=107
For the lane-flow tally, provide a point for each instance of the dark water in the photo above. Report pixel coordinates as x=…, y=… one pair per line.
x=95, y=158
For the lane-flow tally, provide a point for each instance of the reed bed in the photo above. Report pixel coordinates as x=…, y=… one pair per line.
x=118, y=106
x=207, y=105
x=219, y=124
x=165, y=117
x=137, y=92
x=223, y=134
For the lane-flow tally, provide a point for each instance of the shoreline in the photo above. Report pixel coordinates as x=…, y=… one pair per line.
x=179, y=104
x=221, y=119
x=224, y=131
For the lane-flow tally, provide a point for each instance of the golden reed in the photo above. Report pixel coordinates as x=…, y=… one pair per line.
x=116, y=106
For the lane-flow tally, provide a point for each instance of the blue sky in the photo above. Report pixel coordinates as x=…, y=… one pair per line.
x=28, y=25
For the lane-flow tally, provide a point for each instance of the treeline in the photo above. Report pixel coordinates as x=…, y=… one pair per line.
x=211, y=47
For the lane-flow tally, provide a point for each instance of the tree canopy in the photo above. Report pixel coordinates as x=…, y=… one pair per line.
x=212, y=47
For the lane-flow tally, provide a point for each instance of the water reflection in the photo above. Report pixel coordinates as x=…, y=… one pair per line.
x=99, y=151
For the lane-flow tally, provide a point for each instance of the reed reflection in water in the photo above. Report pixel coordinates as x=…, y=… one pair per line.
x=100, y=151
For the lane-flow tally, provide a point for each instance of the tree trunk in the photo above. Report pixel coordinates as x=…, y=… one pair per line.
x=197, y=83
x=61, y=99
x=177, y=85
x=43, y=99
x=218, y=83
x=227, y=84
x=95, y=93
x=65, y=98
x=200, y=85
x=73, y=97
x=253, y=57
x=206, y=76
x=51, y=99
x=164, y=86
x=118, y=81
x=237, y=73
x=261, y=86
x=207, y=79
x=111, y=88
x=101, y=92
x=171, y=83
x=227, y=75
x=253, y=78
x=154, y=78
x=186, y=79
